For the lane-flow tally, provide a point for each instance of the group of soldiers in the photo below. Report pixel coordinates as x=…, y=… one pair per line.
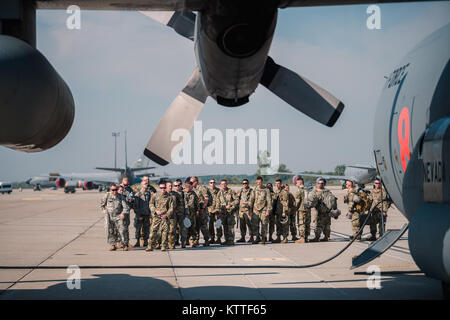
x=174, y=215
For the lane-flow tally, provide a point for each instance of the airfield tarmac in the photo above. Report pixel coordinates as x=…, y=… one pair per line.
x=42, y=233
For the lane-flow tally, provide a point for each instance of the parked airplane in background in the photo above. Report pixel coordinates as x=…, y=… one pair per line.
x=361, y=175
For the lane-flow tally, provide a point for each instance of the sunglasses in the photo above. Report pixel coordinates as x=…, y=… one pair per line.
x=211, y=182
x=244, y=182
x=177, y=185
x=113, y=189
x=163, y=188
x=376, y=183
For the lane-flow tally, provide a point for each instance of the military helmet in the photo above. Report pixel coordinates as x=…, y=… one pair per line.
x=187, y=222
x=284, y=220
x=218, y=223
x=295, y=178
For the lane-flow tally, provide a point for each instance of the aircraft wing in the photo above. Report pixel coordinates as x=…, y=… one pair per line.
x=138, y=169
x=327, y=177
x=183, y=5
x=110, y=169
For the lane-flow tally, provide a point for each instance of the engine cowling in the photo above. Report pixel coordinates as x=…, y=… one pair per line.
x=36, y=106
x=88, y=185
x=60, y=182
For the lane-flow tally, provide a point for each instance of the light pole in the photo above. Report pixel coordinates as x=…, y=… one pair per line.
x=115, y=135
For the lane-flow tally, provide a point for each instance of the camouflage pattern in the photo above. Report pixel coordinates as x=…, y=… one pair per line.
x=142, y=217
x=225, y=198
x=262, y=203
x=192, y=206
x=315, y=200
x=247, y=219
x=115, y=205
x=164, y=204
x=292, y=215
x=178, y=217
x=272, y=218
x=201, y=220
x=212, y=215
x=304, y=214
x=281, y=207
x=352, y=198
x=375, y=205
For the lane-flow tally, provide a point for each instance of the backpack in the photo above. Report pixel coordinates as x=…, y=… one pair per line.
x=330, y=201
x=363, y=205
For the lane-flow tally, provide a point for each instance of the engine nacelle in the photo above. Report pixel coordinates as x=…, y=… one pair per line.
x=36, y=106
x=88, y=185
x=60, y=182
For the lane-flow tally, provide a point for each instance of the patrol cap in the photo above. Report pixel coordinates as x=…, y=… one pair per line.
x=320, y=178
x=187, y=179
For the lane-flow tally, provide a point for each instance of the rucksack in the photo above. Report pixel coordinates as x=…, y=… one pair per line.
x=363, y=205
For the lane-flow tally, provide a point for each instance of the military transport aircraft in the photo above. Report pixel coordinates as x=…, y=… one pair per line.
x=231, y=42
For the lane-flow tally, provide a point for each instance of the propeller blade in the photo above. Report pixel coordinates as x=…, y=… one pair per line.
x=301, y=93
x=181, y=114
x=182, y=22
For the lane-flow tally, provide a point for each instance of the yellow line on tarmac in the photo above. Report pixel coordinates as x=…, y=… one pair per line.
x=31, y=199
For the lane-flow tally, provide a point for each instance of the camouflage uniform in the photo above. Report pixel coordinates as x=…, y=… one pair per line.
x=142, y=217
x=178, y=217
x=191, y=203
x=292, y=214
x=272, y=219
x=281, y=206
x=246, y=216
x=315, y=200
x=201, y=220
x=352, y=198
x=128, y=193
x=304, y=214
x=114, y=206
x=163, y=203
x=262, y=203
x=374, y=198
x=212, y=215
x=224, y=198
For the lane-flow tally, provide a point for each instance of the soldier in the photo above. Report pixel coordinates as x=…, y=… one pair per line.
x=376, y=206
x=173, y=218
x=201, y=219
x=179, y=213
x=352, y=198
x=304, y=214
x=246, y=216
x=161, y=206
x=316, y=200
x=191, y=210
x=292, y=213
x=280, y=209
x=213, y=190
x=142, y=218
x=272, y=213
x=226, y=204
x=128, y=194
x=115, y=209
x=262, y=206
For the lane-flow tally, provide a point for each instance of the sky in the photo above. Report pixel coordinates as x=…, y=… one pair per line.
x=124, y=70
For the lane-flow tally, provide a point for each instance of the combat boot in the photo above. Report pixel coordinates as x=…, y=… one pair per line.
x=285, y=240
x=263, y=241
x=256, y=241
x=270, y=238
x=251, y=240
x=158, y=246
x=372, y=238
x=294, y=238
x=138, y=244
x=242, y=239
x=316, y=239
x=218, y=241
x=112, y=248
x=196, y=243
x=118, y=245
x=149, y=248
x=324, y=239
x=171, y=247
x=277, y=240
x=183, y=245
x=163, y=248
x=145, y=243
x=125, y=248
x=206, y=244
x=301, y=240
